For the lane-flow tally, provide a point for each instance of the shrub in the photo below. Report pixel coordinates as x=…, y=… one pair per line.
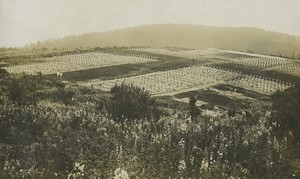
x=131, y=102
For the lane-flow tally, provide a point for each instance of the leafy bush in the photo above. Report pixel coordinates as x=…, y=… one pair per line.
x=129, y=102
x=286, y=115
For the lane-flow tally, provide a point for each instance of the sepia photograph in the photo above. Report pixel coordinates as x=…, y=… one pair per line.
x=149, y=89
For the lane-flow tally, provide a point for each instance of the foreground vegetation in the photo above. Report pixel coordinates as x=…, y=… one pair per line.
x=51, y=130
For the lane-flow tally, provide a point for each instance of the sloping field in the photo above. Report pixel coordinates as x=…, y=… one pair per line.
x=174, y=71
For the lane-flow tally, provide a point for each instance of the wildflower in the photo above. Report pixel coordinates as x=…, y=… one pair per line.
x=181, y=142
x=181, y=166
x=188, y=120
x=81, y=167
x=204, y=164
x=220, y=154
x=121, y=174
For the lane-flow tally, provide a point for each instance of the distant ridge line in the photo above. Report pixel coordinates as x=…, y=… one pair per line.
x=185, y=36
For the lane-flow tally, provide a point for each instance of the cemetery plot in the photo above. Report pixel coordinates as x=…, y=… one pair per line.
x=73, y=62
x=283, y=65
x=178, y=80
x=291, y=69
x=191, y=54
x=260, y=84
x=195, y=77
x=261, y=62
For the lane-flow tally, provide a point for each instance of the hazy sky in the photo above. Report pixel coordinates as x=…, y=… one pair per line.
x=25, y=21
